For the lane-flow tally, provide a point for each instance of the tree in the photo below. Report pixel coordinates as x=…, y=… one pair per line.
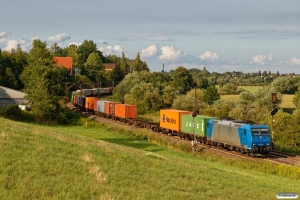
x=202, y=83
x=284, y=85
x=92, y=67
x=185, y=102
x=42, y=80
x=182, y=80
x=56, y=50
x=145, y=96
x=211, y=95
x=219, y=108
x=73, y=52
x=88, y=47
x=254, y=106
x=204, y=72
x=124, y=64
x=138, y=64
x=169, y=94
x=229, y=89
x=286, y=129
x=296, y=99
x=11, y=65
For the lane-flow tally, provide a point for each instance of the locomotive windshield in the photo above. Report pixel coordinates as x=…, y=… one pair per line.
x=260, y=131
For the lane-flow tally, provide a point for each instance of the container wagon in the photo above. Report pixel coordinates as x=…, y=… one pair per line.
x=170, y=121
x=188, y=128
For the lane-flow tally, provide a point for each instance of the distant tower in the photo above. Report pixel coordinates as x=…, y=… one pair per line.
x=163, y=67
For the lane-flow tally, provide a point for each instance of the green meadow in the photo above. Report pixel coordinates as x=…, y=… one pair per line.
x=100, y=161
x=250, y=88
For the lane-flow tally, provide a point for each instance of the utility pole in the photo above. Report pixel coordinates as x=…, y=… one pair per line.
x=122, y=93
x=67, y=87
x=194, y=114
x=273, y=112
x=81, y=100
x=136, y=93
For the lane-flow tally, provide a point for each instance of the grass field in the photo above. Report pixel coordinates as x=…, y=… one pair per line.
x=42, y=162
x=250, y=88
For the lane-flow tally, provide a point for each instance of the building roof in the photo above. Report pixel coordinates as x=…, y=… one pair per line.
x=11, y=93
x=109, y=66
x=64, y=61
x=10, y=96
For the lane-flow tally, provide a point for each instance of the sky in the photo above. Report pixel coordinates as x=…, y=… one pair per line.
x=223, y=36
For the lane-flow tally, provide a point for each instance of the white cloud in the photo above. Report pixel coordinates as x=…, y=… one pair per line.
x=260, y=59
x=34, y=38
x=75, y=43
x=4, y=34
x=209, y=56
x=112, y=50
x=149, y=51
x=169, y=53
x=59, y=37
x=295, y=61
x=270, y=57
x=103, y=42
x=13, y=44
x=2, y=41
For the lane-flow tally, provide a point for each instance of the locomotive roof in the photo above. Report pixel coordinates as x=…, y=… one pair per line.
x=238, y=122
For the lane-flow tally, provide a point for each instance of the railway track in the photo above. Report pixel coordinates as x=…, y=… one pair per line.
x=274, y=157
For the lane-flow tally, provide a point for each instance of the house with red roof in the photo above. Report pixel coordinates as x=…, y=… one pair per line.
x=64, y=62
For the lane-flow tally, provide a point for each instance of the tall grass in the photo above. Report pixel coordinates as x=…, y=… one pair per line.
x=60, y=162
x=144, y=134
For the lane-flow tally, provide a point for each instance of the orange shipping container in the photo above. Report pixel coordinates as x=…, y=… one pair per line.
x=171, y=119
x=110, y=108
x=125, y=110
x=89, y=103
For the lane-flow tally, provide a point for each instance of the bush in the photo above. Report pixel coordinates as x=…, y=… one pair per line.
x=71, y=116
x=13, y=112
x=27, y=116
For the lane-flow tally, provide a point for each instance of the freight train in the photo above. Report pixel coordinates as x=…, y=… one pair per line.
x=250, y=138
x=94, y=92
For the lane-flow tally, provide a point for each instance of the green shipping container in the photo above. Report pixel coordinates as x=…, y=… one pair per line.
x=200, y=121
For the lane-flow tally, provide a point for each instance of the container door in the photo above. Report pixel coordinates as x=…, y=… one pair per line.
x=111, y=109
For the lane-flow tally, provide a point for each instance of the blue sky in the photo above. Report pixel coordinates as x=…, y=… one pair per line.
x=232, y=35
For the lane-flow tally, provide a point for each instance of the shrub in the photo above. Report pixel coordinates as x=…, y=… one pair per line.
x=13, y=112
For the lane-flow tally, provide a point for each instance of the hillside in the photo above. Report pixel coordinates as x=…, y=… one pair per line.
x=42, y=162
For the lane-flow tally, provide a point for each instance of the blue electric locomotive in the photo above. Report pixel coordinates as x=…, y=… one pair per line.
x=236, y=135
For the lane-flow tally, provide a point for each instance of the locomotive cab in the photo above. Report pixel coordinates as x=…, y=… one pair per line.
x=261, y=141
x=256, y=138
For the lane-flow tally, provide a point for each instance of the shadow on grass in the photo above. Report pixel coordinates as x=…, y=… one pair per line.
x=137, y=144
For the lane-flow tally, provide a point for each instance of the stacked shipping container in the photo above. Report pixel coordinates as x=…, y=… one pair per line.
x=199, y=129
x=171, y=119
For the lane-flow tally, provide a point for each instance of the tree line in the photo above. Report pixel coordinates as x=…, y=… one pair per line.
x=43, y=81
